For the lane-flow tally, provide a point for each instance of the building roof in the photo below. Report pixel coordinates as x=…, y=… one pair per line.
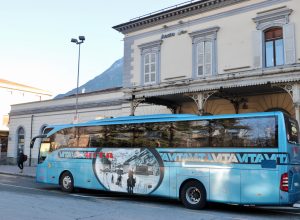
x=21, y=87
x=172, y=13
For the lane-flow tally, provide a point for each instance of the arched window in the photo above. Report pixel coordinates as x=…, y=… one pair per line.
x=274, y=52
x=21, y=139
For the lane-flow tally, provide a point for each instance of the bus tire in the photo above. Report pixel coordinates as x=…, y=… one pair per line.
x=67, y=182
x=193, y=195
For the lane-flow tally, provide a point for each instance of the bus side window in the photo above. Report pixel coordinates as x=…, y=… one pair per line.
x=82, y=137
x=60, y=140
x=156, y=135
x=83, y=141
x=217, y=134
x=71, y=137
x=200, y=132
x=191, y=134
x=139, y=139
x=180, y=135
x=96, y=140
x=94, y=136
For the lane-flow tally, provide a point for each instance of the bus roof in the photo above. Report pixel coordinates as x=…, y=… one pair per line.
x=143, y=117
x=170, y=117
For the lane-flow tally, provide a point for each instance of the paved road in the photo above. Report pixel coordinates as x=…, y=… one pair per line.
x=22, y=198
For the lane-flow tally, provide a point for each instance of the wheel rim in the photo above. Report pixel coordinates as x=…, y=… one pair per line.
x=193, y=195
x=67, y=182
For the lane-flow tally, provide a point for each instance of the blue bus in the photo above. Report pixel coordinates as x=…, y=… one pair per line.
x=246, y=159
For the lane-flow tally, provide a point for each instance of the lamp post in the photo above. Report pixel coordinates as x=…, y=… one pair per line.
x=78, y=42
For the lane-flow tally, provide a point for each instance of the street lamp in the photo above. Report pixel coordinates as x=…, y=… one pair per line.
x=78, y=42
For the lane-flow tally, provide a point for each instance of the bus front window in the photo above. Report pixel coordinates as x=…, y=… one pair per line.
x=44, y=149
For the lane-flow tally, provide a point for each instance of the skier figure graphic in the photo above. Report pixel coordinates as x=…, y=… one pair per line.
x=130, y=182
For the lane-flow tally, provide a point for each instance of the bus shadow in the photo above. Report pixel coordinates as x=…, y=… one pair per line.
x=258, y=211
x=263, y=212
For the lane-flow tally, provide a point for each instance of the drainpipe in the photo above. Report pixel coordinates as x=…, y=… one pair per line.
x=31, y=125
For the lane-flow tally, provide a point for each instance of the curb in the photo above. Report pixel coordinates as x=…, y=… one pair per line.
x=17, y=174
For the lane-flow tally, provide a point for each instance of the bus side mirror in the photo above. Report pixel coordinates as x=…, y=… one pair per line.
x=32, y=143
x=33, y=139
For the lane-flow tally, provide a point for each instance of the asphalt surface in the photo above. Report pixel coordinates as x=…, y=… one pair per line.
x=21, y=195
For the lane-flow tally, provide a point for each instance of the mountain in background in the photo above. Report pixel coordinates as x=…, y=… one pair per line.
x=110, y=78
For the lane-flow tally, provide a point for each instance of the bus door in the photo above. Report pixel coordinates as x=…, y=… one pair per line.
x=44, y=147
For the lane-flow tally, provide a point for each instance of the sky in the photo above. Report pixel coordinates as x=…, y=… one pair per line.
x=35, y=39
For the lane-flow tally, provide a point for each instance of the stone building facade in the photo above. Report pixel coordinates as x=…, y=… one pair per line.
x=215, y=57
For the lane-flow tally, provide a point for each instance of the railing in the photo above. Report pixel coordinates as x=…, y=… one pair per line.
x=164, y=9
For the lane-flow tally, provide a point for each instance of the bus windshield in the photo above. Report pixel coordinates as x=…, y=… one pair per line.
x=44, y=149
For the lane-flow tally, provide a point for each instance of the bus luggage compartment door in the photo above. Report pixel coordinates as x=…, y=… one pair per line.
x=259, y=186
x=225, y=185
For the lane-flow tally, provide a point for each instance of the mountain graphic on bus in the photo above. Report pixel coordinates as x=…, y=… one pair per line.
x=135, y=170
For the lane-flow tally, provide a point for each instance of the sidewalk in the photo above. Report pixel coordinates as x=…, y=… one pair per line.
x=14, y=170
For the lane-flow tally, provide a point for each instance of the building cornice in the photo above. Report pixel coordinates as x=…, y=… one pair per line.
x=67, y=107
x=272, y=17
x=156, y=43
x=230, y=80
x=205, y=32
x=173, y=13
x=5, y=84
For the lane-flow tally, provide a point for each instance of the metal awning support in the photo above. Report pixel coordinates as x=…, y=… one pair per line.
x=235, y=99
x=171, y=105
x=135, y=103
x=293, y=89
x=200, y=100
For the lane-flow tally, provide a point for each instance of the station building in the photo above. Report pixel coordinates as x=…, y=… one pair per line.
x=199, y=57
x=14, y=93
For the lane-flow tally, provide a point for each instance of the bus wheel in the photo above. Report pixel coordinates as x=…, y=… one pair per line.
x=193, y=195
x=67, y=182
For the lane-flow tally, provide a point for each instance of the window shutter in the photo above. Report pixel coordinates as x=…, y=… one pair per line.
x=289, y=43
x=257, y=49
x=200, y=59
x=208, y=57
